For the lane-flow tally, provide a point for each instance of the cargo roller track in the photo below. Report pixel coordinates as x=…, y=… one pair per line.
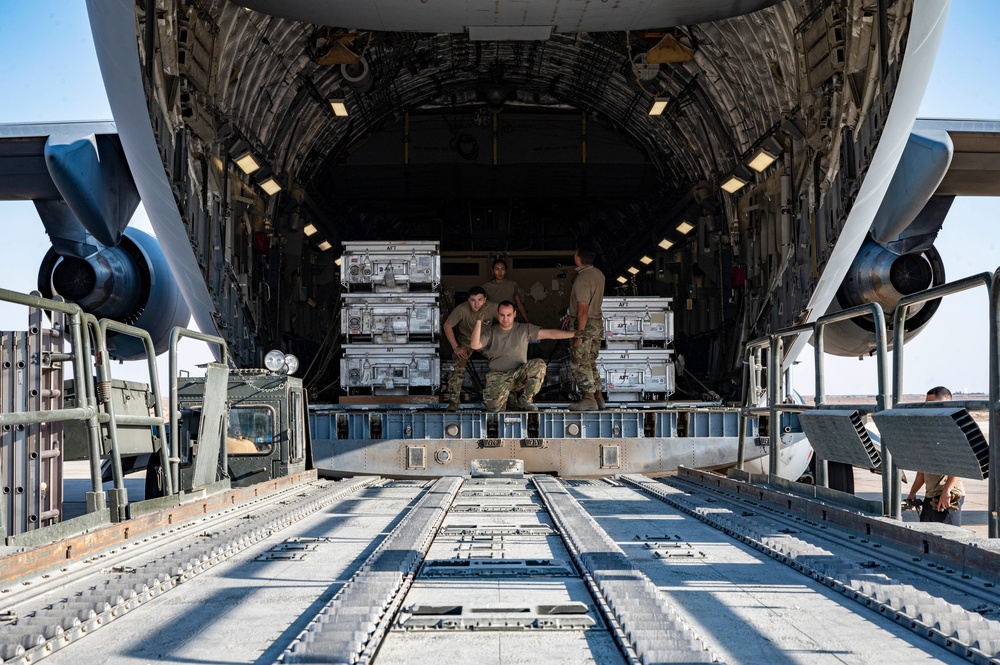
x=497, y=570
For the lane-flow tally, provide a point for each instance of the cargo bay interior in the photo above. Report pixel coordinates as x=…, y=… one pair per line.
x=712, y=159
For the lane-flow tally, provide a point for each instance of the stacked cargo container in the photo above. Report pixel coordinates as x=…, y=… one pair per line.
x=638, y=361
x=390, y=318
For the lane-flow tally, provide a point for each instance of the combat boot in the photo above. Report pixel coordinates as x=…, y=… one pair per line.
x=525, y=404
x=588, y=403
x=520, y=403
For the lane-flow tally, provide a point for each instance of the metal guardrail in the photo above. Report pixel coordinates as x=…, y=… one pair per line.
x=899, y=330
x=891, y=482
x=93, y=406
x=775, y=393
x=120, y=500
x=86, y=398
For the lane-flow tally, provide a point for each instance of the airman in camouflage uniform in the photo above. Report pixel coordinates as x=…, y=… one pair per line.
x=585, y=300
x=506, y=345
x=500, y=288
x=528, y=378
x=457, y=328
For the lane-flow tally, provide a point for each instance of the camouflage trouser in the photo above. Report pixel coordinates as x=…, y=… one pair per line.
x=527, y=378
x=455, y=382
x=583, y=358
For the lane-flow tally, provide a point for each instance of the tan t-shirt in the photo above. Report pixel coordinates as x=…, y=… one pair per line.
x=499, y=291
x=588, y=287
x=462, y=319
x=508, y=349
x=934, y=484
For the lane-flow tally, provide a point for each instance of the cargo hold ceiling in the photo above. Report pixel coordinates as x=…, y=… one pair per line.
x=726, y=84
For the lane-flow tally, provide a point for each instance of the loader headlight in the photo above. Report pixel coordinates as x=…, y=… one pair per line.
x=275, y=361
x=281, y=363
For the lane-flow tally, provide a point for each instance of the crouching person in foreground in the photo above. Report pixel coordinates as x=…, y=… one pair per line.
x=506, y=346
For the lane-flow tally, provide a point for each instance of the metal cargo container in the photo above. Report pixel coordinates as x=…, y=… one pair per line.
x=629, y=373
x=642, y=320
x=390, y=370
x=390, y=319
x=391, y=266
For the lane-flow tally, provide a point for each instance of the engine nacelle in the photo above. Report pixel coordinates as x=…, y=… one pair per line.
x=879, y=275
x=130, y=283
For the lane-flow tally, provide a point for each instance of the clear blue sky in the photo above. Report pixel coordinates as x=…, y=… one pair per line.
x=50, y=73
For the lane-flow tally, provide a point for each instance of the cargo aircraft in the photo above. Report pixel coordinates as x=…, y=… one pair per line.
x=758, y=161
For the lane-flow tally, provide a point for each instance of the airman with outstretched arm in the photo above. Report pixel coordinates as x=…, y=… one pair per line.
x=506, y=345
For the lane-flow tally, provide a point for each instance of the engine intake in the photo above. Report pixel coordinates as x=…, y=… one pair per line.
x=879, y=275
x=130, y=283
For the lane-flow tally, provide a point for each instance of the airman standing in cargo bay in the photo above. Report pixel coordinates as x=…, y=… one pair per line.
x=500, y=288
x=586, y=319
x=457, y=329
x=506, y=345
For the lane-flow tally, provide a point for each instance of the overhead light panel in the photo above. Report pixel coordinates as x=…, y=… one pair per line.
x=659, y=106
x=247, y=163
x=622, y=280
x=309, y=229
x=733, y=184
x=633, y=270
x=645, y=260
x=270, y=186
x=325, y=245
x=761, y=160
x=338, y=261
x=665, y=244
x=339, y=107
x=685, y=227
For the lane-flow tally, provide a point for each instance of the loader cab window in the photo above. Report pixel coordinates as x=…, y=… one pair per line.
x=251, y=430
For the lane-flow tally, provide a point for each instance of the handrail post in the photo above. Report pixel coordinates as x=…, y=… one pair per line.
x=819, y=348
x=993, y=488
x=773, y=399
x=83, y=380
x=741, y=446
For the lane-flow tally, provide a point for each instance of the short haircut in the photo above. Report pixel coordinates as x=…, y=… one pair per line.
x=942, y=393
x=587, y=255
x=477, y=291
x=499, y=260
x=506, y=303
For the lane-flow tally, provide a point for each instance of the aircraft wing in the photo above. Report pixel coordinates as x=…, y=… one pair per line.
x=82, y=187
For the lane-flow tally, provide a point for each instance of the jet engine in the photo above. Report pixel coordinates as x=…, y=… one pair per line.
x=880, y=275
x=130, y=283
